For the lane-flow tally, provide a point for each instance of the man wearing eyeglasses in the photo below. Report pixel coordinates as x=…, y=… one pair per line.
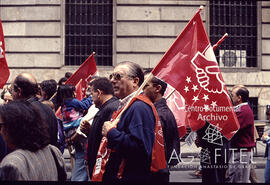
x=132, y=140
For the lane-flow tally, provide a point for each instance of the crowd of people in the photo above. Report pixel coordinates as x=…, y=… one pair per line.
x=33, y=138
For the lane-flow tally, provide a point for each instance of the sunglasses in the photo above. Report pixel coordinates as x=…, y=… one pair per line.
x=117, y=76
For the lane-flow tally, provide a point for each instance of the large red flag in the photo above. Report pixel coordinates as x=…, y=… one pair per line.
x=191, y=68
x=4, y=71
x=85, y=72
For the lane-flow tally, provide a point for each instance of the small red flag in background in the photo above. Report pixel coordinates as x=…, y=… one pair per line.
x=4, y=71
x=85, y=72
x=191, y=68
x=79, y=92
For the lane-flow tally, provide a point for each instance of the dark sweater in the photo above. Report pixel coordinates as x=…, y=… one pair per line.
x=94, y=136
x=133, y=141
x=244, y=138
x=170, y=131
x=49, y=117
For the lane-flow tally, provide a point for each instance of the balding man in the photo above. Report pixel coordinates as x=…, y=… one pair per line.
x=25, y=87
x=243, y=141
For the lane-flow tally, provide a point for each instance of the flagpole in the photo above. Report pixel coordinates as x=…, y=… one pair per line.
x=220, y=41
x=53, y=96
x=169, y=95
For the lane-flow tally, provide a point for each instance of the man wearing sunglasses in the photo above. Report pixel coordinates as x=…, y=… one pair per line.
x=132, y=140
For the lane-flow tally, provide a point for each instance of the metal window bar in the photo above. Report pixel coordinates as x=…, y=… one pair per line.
x=239, y=20
x=88, y=28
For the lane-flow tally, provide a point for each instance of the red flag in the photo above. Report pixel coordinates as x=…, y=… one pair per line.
x=85, y=72
x=177, y=105
x=79, y=91
x=191, y=68
x=4, y=71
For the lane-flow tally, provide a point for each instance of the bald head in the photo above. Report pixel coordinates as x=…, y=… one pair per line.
x=29, y=77
x=24, y=86
x=240, y=94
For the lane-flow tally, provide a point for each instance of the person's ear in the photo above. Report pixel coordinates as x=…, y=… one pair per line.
x=19, y=91
x=99, y=93
x=158, y=88
x=136, y=81
x=239, y=98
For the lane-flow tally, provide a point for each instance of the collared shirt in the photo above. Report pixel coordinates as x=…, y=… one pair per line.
x=237, y=107
x=125, y=100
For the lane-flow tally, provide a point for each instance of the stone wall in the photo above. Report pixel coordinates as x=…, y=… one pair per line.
x=146, y=29
x=33, y=32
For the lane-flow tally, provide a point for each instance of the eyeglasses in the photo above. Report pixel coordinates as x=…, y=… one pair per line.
x=117, y=76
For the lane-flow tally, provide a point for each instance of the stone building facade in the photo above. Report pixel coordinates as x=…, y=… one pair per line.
x=142, y=31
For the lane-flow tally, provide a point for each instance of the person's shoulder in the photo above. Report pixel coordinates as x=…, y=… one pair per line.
x=246, y=109
x=74, y=100
x=113, y=103
x=139, y=105
x=14, y=158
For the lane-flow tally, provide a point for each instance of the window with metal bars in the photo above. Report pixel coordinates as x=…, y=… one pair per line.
x=239, y=20
x=253, y=102
x=88, y=29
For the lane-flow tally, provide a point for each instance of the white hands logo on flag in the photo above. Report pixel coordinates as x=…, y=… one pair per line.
x=206, y=71
x=1, y=50
x=175, y=99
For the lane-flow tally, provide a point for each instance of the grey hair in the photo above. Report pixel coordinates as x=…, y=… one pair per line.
x=135, y=70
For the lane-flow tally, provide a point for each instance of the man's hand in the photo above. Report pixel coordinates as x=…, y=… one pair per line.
x=108, y=125
x=264, y=136
x=85, y=127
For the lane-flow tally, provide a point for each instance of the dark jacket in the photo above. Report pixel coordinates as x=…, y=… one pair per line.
x=49, y=117
x=212, y=155
x=170, y=131
x=94, y=136
x=132, y=141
